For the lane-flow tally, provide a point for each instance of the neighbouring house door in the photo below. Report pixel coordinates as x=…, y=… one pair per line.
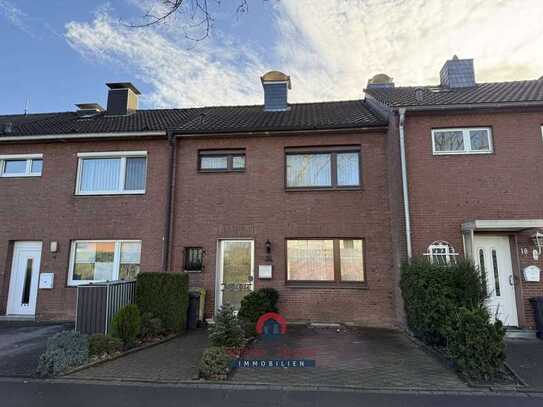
x=493, y=256
x=23, y=283
x=235, y=271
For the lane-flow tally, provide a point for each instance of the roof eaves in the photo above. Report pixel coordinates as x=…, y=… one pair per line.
x=35, y=137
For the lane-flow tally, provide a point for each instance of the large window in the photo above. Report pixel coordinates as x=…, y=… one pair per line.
x=462, y=141
x=104, y=260
x=17, y=165
x=326, y=260
x=323, y=169
x=112, y=173
x=221, y=160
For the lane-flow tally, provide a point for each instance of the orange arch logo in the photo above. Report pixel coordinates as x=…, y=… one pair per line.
x=271, y=316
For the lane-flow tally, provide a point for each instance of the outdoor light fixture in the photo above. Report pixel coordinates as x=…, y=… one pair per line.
x=268, y=250
x=537, y=238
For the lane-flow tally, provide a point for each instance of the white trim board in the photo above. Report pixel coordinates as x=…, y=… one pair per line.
x=502, y=224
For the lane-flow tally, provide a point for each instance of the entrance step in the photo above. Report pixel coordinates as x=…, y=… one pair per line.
x=17, y=318
x=520, y=334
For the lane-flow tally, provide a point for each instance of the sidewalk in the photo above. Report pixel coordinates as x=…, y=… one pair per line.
x=173, y=361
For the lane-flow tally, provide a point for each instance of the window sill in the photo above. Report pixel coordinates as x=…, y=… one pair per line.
x=220, y=171
x=20, y=176
x=326, y=285
x=463, y=153
x=192, y=271
x=109, y=194
x=322, y=189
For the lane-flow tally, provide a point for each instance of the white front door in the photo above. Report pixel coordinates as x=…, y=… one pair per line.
x=23, y=283
x=235, y=271
x=493, y=256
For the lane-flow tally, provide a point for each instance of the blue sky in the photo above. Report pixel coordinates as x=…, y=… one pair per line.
x=56, y=53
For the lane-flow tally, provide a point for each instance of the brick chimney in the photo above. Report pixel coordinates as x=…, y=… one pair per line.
x=457, y=73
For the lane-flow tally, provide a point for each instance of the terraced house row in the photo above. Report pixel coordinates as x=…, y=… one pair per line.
x=322, y=201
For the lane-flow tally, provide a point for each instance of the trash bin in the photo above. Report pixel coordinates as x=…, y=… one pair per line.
x=537, y=302
x=193, y=310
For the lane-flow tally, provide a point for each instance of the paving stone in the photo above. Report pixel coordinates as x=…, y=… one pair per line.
x=362, y=357
x=172, y=361
x=525, y=356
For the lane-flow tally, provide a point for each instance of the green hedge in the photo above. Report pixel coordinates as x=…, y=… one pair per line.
x=126, y=324
x=256, y=304
x=165, y=296
x=432, y=292
x=475, y=344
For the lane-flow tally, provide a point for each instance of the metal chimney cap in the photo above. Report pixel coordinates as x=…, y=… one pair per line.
x=123, y=85
x=90, y=106
x=276, y=76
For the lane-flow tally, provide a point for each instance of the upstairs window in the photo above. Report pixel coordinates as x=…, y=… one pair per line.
x=334, y=168
x=462, y=141
x=221, y=160
x=112, y=173
x=17, y=165
x=441, y=252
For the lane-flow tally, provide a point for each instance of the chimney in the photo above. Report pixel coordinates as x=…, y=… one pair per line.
x=88, y=109
x=380, y=81
x=122, y=98
x=276, y=85
x=457, y=73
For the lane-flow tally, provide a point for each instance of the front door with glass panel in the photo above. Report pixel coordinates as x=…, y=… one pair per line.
x=235, y=271
x=493, y=256
x=23, y=284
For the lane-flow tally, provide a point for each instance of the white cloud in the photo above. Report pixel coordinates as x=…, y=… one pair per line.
x=330, y=48
x=15, y=16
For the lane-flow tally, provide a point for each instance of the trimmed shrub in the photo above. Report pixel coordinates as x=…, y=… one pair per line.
x=64, y=350
x=227, y=330
x=215, y=364
x=126, y=324
x=165, y=296
x=432, y=292
x=475, y=344
x=100, y=344
x=254, y=305
x=150, y=327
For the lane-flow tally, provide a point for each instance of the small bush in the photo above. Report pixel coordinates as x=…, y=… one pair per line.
x=150, y=327
x=475, y=344
x=432, y=292
x=215, y=364
x=126, y=324
x=256, y=304
x=165, y=296
x=64, y=350
x=100, y=345
x=227, y=330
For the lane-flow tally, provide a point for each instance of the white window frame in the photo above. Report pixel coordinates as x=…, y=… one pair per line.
x=467, y=141
x=450, y=254
x=116, y=260
x=123, y=155
x=20, y=157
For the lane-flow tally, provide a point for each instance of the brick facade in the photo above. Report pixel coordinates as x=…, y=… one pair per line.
x=446, y=191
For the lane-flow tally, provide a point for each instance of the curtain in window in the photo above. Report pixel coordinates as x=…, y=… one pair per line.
x=130, y=260
x=100, y=174
x=479, y=140
x=214, y=163
x=94, y=261
x=135, y=174
x=348, y=169
x=309, y=170
x=310, y=260
x=352, y=264
x=449, y=141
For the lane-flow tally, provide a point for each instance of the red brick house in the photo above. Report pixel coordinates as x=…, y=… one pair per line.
x=291, y=196
x=472, y=170
x=306, y=198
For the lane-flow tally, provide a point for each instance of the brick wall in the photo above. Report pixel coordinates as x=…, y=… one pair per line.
x=254, y=204
x=446, y=191
x=45, y=208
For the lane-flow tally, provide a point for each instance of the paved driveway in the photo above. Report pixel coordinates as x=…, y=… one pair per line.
x=525, y=356
x=21, y=345
x=361, y=357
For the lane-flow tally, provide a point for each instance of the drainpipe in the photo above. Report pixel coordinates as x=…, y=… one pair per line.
x=404, y=185
x=170, y=201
